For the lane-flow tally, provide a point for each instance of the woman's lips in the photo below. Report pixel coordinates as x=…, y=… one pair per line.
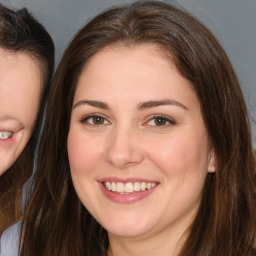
x=7, y=139
x=128, y=187
x=127, y=192
x=10, y=138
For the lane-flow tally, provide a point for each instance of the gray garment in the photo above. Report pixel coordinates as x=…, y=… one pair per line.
x=10, y=241
x=9, y=245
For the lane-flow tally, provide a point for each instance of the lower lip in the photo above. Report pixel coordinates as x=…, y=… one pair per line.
x=125, y=198
x=7, y=142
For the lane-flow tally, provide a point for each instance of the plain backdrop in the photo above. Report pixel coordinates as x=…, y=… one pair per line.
x=232, y=21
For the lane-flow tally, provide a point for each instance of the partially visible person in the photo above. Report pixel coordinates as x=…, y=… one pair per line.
x=26, y=67
x=147, y=147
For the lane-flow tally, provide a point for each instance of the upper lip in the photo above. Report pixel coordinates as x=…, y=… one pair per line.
x=125, y=180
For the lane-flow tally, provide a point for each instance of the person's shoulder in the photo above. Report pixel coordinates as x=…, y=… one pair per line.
x=10, y=241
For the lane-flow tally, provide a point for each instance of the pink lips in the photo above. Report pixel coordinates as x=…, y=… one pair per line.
x=8, y=142
x=125, y=198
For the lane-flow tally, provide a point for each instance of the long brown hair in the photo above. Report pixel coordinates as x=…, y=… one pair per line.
x=56, y=222
x=20, y=32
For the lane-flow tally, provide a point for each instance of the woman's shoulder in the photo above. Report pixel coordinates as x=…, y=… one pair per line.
x=10, y=241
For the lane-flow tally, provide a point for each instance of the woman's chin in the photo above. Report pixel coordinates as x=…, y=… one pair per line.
x=6, y=164
x=127, y=231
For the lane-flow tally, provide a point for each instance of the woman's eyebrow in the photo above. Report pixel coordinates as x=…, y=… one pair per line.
x=93, y=103
x=140, y=106
x=157, y=103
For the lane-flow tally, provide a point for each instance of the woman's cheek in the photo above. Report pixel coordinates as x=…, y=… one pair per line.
x=83, y=152
x=170, y=154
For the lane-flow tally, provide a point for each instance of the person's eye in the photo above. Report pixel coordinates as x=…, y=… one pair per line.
x=4, y=135
x=94, y=120
x=160, y=121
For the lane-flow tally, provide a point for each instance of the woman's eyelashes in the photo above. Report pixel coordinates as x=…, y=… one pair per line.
x=4, y=135
x=157, y=121
x=95, y=120
x=160, y=121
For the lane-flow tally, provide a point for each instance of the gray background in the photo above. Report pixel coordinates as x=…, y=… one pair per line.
x=232, y=21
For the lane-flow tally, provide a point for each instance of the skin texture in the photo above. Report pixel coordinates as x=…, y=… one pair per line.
x=127, y=143
x=20, y=91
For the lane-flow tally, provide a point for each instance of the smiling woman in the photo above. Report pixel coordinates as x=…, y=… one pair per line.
x=20, y=87
x=146, y=148
x=26, y=64
x=140, y=148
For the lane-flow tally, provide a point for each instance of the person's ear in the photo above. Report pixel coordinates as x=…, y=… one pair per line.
x=211, y=162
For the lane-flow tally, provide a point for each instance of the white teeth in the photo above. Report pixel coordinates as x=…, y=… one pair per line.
x=128, y=187
x=113, y=186
x=120, y=187
x=148, y=185
x=153, y=185
x=5, y=135
x=143, y=186
x=108, y=185
x=136, y=186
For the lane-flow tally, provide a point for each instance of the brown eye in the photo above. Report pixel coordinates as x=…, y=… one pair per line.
x=159, y=121
x=98, y=120
x=94, y=120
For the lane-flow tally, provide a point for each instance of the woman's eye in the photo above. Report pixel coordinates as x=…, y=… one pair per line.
x=95, y=120
x=160, y=121
x=4, y=135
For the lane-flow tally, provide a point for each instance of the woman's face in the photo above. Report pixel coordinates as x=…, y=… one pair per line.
x=137, y=144
x=20, y=90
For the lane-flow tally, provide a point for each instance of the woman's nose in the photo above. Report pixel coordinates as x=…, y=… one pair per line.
x=123, y=149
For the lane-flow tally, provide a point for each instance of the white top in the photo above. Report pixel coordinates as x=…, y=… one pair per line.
x=10, y=241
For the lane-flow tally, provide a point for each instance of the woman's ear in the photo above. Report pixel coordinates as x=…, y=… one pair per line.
x=211, y=162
